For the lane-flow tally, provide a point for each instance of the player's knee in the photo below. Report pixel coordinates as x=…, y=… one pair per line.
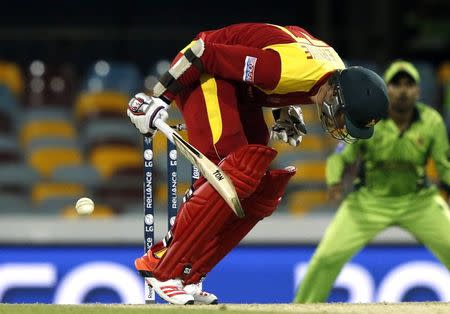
x=329, y=259
x=246, y=166
x=268, y=194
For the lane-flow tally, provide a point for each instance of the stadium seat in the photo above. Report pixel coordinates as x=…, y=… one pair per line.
x=45, y=114
x=13, y=204
x=9, y=149
x=50, y=142
x=310, y=171
x=46, y=128
x=128, y=176
x=43, y=191
x=107, y=159
x=83, y=174
x=94, y=105
x=11, y=75
x=55, y=205
x=10, y=111
x=121, y=77
x=109, y=131
x=17, y=179
x=117, y=195
x=46, y=159
x=301, y=202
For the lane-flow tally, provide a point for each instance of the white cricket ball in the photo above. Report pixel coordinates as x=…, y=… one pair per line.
x=84, y=206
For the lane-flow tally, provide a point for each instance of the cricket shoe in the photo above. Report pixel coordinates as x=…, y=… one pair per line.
x=171, y=291
x=200, y=296
x=146, y=264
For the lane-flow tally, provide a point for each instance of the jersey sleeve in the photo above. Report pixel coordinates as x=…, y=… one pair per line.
x=275, y=59
x=344, y=155
x=245, y=64
x=440, y=152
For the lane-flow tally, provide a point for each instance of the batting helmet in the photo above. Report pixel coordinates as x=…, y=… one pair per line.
x=364, y=100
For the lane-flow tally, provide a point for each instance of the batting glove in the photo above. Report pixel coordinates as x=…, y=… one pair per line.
x=144, y=110
x=289, y=125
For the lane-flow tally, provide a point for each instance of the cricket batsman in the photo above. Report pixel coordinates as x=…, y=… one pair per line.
x=227, y=76
x=392, y=188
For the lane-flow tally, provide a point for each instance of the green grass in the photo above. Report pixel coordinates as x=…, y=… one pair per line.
x=378, y=308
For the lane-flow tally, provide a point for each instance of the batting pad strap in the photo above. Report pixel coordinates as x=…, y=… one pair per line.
x=188, y=194
x=167, y=239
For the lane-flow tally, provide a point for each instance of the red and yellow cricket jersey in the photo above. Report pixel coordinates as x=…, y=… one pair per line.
x=283, y=65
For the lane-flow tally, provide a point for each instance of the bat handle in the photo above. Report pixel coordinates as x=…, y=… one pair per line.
x=166, y=129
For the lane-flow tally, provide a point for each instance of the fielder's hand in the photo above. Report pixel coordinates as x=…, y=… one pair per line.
x=143, y=110
x=289, y=125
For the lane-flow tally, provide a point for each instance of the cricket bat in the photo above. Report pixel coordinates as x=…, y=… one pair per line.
x=215, y=176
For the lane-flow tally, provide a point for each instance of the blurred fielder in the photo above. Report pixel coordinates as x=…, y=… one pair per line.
x=220, y=82
x=393, y=189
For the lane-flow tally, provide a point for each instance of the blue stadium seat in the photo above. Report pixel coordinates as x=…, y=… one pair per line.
x=14, y=204
x=10, y=111
x=109, y=131
x=113, y=76
x=83, y=174
x=17, y=175
x=9, y=149
x=16, y=180
x=51, y=142
x=45, y=114
x=55, y=205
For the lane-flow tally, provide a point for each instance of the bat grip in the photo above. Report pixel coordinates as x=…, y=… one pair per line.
x=165, y=129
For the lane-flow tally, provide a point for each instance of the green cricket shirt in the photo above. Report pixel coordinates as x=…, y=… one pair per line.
x=393, y=162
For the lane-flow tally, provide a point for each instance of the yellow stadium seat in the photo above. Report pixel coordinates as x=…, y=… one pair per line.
x=11, y=76
x=314, y=142
x=310, y=171
x=303, y=201
x=310, y=114
x=108, y=159
x=50, y=128
x=161, y=191
x=46, y=159
x=100, y=211
x=101, y=104
x=46, y=190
